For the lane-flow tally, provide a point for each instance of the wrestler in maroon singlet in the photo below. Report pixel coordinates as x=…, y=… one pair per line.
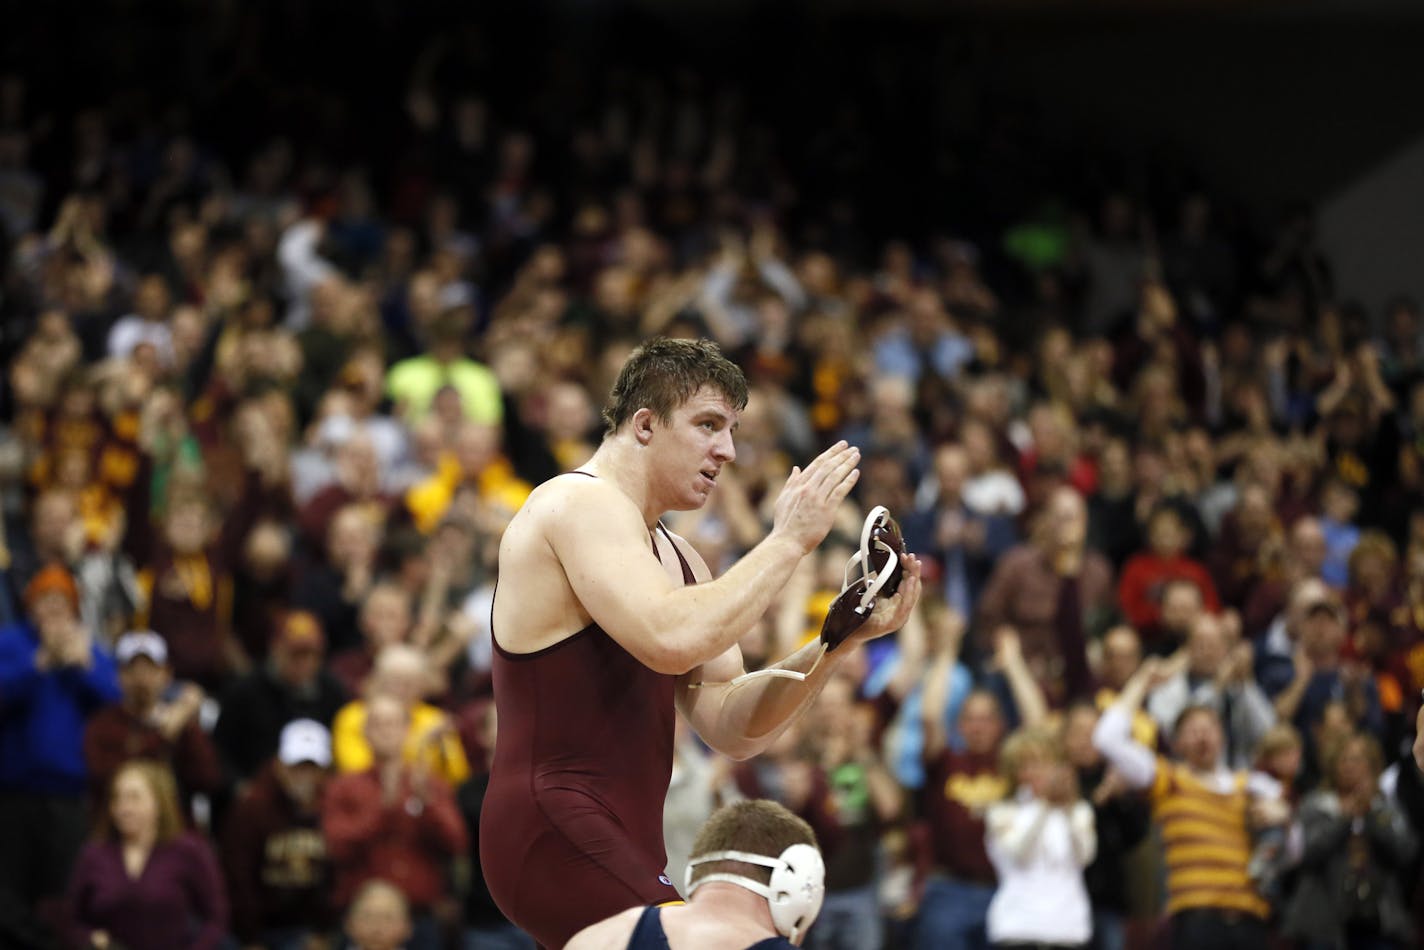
x=572, y=826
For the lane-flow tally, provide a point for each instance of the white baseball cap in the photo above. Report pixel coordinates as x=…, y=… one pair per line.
x=304, y=740
x=137, y=643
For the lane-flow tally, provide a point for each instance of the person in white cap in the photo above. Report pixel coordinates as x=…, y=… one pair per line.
x=155, y=719
x=273, y=851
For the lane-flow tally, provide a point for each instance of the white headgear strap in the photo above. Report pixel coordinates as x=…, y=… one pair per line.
x=874, y=581
x=797, y=887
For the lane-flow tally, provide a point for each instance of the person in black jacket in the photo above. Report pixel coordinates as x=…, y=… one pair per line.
x=1409, y=792
x=292, y=685
x=1122, y=821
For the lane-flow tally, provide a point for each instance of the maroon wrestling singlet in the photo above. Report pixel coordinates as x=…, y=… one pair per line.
x=572, y=826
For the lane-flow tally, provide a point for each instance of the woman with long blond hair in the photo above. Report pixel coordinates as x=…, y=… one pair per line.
x=145, y=882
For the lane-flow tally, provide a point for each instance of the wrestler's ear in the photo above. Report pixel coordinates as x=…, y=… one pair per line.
x=643, y=425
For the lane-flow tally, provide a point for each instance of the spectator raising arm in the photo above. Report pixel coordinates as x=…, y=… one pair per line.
x=1028, y=696
x=1136, y=763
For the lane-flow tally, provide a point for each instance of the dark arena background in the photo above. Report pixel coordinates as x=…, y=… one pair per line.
x=1120, y=303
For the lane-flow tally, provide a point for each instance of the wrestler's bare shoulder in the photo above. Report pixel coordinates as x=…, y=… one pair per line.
x=567, y=499
x=610, y=934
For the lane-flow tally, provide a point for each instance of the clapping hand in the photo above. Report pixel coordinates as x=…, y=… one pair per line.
x=806, y=507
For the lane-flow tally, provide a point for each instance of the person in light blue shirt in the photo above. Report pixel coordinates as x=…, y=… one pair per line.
x=1339, y=504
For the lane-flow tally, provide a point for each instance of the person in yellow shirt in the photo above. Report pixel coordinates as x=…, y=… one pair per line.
x=475, y=460
x=402, y=672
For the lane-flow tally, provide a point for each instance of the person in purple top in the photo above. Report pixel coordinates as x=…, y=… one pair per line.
x=145, y=883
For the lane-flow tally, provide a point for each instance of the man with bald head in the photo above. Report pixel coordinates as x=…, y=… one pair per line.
x=476, y=459
x=401, y=672
x=1217, y=676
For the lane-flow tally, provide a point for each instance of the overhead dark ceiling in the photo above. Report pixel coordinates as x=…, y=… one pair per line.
x=1281, y=99
x=1275, y=99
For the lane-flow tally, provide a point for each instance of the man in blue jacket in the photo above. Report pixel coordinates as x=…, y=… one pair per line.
x=52, y=677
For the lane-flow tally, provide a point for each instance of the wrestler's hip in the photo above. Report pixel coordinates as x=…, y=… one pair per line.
x=552, y=887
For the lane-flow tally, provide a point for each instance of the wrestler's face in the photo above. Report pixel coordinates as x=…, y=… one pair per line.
x=692, y=446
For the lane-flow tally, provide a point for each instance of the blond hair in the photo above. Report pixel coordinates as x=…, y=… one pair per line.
x=1026, y=744
x=1279, y=738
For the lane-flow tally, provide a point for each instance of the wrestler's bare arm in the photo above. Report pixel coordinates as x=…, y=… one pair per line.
x=601, y=542
x=741, y=719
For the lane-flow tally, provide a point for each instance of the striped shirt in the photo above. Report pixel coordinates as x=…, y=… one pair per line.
x=1203, y=820
x=1207, y=841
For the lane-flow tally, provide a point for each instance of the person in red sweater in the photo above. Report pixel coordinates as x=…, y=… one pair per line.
x=1146, y=574
x=152, y=721
x=394, y=821
x=273, y=851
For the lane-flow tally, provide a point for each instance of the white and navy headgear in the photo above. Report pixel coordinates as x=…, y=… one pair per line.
x=796, y=889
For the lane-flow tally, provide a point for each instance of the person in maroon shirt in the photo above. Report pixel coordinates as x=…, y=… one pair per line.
x=393, y=821
x=358, y=482
x=601, y=636
x=959, y=788
x=145, y=883
x=150, y=724
x=272, y=846
x=186, y=567
x=1053, y=589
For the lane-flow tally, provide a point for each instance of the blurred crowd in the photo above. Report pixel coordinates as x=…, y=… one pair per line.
x=268, y=416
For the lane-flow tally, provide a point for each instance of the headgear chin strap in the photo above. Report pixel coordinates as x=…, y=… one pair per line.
x=797, y=887
x=878, y=558
x=871, y=571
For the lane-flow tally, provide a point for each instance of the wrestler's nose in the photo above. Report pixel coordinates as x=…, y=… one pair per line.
x=724, y=449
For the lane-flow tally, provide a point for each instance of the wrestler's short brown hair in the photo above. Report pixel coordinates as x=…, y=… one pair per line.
x=664, y=373
x=757, y=826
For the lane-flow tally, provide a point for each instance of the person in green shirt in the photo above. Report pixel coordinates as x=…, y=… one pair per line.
x=413, y=383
